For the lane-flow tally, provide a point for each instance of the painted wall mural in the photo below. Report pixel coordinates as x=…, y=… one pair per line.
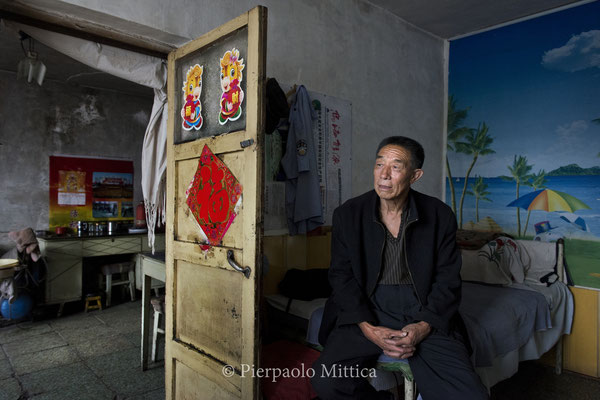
x=524, y=133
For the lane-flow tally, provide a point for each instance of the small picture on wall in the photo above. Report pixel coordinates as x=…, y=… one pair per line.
x=81, y=189
x=127, y=209
x=231, y=79
x=115, y=185
x=105, y=209
x=71, y=188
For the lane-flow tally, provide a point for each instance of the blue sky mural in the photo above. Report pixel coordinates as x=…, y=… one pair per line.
x=535, y=87
x=536, y=84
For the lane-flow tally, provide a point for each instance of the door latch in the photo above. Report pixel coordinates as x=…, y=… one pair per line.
x=246, y=143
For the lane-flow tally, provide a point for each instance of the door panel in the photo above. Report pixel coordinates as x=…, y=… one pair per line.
x=220, y=331
x=189, y=381
x=212, y=309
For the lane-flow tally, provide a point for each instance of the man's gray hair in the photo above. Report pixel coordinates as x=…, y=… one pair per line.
x=417, y=154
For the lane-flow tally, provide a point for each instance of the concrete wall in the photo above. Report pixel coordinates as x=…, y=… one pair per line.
x=393, y=73
x=36, y=122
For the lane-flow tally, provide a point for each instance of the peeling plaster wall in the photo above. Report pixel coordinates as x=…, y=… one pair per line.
x=392, y=72
x=58, y=119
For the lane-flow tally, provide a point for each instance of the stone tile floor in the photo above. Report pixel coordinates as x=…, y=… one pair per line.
x=97, y=356
x=94, y=355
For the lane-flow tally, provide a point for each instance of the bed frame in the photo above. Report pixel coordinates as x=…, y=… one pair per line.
x=563, y=277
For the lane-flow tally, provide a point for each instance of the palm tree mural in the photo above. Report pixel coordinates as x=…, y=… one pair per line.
x=520, y=174
x=538, y=181
x=456, y=131
x=479, y=190
x=597, y=121
x=476, y=143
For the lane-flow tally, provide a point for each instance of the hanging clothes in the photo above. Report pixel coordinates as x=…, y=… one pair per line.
x=304, y=209
x=277, y=108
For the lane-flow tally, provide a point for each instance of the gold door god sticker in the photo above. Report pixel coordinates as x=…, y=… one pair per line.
x=231, y=79
x=192, y=107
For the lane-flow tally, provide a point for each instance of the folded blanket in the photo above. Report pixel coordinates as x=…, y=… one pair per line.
x=26, y=242
x=501, y=319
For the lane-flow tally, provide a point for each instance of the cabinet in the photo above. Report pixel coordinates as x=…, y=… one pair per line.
x=64, y=260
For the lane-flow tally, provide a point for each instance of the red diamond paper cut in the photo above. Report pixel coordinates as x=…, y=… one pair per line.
x=213, y=196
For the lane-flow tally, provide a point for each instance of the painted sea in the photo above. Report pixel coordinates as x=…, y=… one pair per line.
x=583, y=187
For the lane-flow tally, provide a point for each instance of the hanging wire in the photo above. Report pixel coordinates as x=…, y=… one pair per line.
x=23, y=47
x=30, y=44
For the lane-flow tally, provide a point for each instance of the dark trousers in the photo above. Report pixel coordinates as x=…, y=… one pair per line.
x=441, y=365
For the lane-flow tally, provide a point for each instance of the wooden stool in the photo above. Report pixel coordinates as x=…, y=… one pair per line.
x=159, y=309
x=96, y=306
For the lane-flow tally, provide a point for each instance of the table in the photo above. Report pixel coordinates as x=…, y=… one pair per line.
x=152, y=266
x=64, y=257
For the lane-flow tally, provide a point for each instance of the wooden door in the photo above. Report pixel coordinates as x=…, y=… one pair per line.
x=212, y=313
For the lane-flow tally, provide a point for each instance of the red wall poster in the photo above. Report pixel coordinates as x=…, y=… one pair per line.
x=89, y=189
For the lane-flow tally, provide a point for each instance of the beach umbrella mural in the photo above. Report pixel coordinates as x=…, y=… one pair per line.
x=549, y=200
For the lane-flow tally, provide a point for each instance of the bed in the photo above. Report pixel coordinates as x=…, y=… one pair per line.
x=520, y=312
x=515, y=304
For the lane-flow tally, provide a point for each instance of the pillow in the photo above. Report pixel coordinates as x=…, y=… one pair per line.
x=541, y=264
x=498, y=262
x=480, y=266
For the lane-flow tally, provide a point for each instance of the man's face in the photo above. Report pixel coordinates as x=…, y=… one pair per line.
x=393, y=173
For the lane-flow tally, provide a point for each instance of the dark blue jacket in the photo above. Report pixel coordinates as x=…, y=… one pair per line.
x=432, y=256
